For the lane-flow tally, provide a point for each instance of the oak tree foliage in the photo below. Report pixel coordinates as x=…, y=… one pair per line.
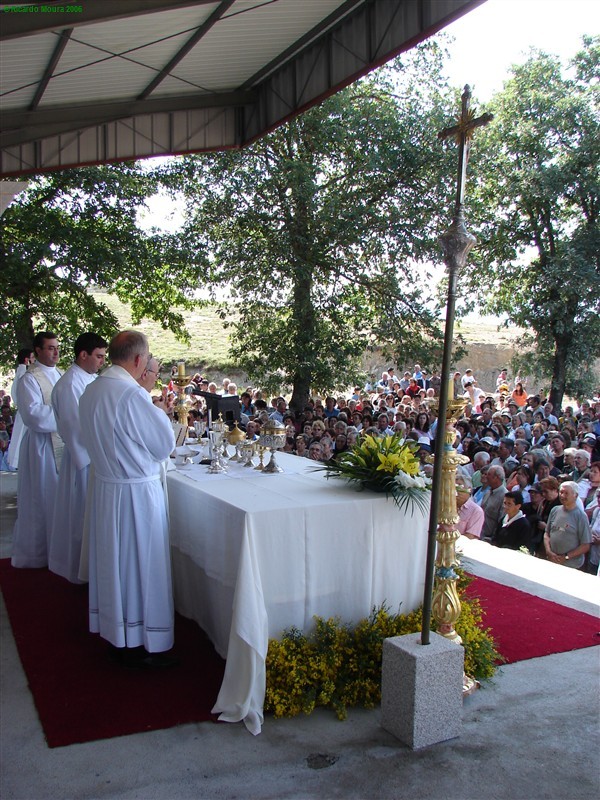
x=77, y=230
x=536, y=206
x=319, y=231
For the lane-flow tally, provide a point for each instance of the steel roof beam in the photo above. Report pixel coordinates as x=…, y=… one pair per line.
x=63, y=38
x=24, y=126
x=185, y=49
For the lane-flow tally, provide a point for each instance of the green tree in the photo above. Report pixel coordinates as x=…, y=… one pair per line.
x=536, y=203
x=319, y=231
x=75, y=230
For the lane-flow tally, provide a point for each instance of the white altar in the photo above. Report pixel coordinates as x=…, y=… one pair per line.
x=254, y=554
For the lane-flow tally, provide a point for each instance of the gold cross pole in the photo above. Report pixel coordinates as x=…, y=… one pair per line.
x=462, y=132
x=456, y=244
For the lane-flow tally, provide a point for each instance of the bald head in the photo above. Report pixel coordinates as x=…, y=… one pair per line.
x=129, y=350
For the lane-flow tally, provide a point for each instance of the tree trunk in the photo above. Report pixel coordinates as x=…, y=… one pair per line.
x=304, y=320
x=303, y=311
x=301, y=393
x=24, y=331
x=559, y=374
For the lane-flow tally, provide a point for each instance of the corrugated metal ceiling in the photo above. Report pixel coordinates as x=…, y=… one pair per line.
x=132, y=78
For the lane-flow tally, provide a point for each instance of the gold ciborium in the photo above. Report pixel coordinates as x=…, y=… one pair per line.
x=236, y=437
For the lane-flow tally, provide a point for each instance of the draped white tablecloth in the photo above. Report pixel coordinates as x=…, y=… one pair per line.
x=254, y=554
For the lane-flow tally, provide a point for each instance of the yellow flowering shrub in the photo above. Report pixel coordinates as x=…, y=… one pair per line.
x=339, y=666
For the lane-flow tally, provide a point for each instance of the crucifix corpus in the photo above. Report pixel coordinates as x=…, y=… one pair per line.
x=456, y=243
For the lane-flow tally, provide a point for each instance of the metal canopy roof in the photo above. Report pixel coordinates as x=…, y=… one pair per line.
x=112, y=80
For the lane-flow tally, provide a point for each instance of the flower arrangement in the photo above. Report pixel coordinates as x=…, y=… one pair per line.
x=339, y=666
x=384, y=464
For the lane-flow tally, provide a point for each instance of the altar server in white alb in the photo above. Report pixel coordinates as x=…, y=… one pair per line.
x=128, y=439
x=39, y=456
x=67, y=524
x=25, y=357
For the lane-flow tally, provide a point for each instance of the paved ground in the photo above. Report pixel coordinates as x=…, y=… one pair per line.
x=532, y=733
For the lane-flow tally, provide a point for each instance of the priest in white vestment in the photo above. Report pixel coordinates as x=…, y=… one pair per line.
x=39, y=456
x=25, y=357
x=67, y=525
x=128, y=439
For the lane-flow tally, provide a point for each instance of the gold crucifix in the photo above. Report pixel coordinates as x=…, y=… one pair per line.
x=462, y=133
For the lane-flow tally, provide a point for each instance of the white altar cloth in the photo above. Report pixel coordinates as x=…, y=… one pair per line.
x=254, y=554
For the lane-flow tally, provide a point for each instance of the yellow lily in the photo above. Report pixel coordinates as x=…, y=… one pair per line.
x=389, y=463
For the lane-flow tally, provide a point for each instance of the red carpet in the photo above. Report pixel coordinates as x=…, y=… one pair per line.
x=525, y=626
x=79, y=693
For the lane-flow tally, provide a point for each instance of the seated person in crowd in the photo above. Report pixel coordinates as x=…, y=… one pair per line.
x=591, y=444
x=520, y=447
x=514, y=530
x=317, y=429
x=557, y=448
x=481, y=459
x=471, y=516
x=521, y=480
x=340, y=444
x=492, y=504
x=383, y=425
x=549, y=491
x=483, y=490
x=326, y=447
x=252, y=430
x=505, y=456
x=351, y=436
x=314, y=450
x=591, y=501
x=568, y=536
x=581, y=461
x=301, y=445
x=330, y=407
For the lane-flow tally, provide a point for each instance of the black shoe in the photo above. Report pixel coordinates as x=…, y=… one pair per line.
x=126, y=656
x=159, y=661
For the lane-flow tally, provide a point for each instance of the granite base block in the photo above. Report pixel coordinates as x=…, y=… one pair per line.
x=421, y=689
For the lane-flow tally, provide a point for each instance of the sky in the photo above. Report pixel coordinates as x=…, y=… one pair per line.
x=488, y=40
x=499, y=33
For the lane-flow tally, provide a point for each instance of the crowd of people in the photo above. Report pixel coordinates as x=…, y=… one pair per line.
x=91, y=452
x=524, y=460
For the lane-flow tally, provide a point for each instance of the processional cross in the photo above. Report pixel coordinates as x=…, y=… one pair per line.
x=456, y=244
x=463, y=132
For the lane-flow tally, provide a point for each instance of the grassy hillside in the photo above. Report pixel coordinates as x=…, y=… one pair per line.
x=209, y=340
x=207, y=351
